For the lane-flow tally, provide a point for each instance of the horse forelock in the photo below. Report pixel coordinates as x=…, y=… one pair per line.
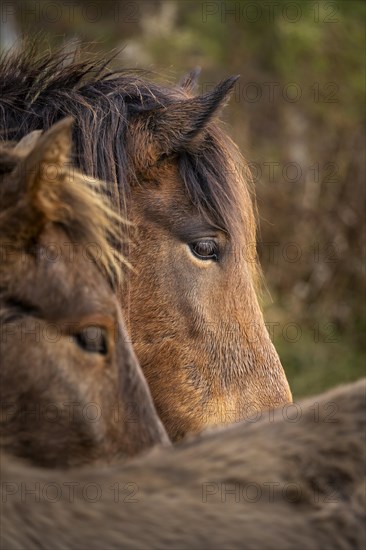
x=81, y=211
x=37, y=91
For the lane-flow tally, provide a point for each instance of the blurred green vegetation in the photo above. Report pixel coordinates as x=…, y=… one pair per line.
x=298, y=116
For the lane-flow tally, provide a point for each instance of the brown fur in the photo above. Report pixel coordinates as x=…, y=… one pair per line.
x=271, y=484
x=62, y=401
x=196, y=325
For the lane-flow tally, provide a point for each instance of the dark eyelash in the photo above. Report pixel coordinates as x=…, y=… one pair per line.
x=16, y=307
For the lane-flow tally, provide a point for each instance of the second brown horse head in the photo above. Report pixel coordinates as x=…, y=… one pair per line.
x=194, y=316
x=72, y=391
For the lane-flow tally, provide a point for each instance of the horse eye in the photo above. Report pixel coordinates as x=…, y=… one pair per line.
x=205, y=249
x=92, y=339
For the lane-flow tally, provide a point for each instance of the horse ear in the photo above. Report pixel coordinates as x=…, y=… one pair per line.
x=26, y=144
x=42, y=167
x=176, y=127
x=190, y=80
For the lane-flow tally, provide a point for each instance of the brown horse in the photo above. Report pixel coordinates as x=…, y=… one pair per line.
x=292, y=480
x=71, y=389
x=190, y=303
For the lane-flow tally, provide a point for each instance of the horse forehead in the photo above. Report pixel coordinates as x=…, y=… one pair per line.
x=58, y=276
x=162, y=197
x=71, y=268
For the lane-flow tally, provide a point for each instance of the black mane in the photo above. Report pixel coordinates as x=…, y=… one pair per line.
x=36, y=92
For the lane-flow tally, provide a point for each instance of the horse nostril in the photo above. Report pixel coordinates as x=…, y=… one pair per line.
x=92, y=339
